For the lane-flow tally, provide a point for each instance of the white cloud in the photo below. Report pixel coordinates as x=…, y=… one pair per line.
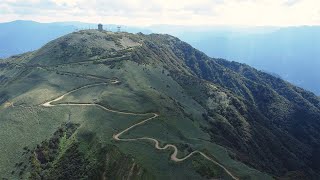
x=181, y=12
x=71, y=3
x=291, y=2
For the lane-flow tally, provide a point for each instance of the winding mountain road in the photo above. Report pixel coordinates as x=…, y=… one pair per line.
x=117, y=136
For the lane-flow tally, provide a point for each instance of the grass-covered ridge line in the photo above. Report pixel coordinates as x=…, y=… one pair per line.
x=250, y=122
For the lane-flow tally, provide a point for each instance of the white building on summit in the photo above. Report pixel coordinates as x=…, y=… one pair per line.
x=100, y=27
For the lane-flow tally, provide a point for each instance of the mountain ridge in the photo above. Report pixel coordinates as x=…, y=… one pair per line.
x=254, y=120
x=272, y=49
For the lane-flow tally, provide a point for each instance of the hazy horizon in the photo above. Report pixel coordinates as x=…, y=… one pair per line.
x=171, y=25
x=252, y=13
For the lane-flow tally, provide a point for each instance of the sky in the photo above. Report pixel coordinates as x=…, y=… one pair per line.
x=170, y=12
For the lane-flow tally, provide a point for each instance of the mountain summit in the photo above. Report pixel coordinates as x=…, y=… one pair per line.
x=104, y=105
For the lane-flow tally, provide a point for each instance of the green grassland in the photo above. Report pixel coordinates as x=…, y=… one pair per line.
x=141, y=89
x=75, y=142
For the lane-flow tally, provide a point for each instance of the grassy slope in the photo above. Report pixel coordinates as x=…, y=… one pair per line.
x=143, y=88
x=266, y=121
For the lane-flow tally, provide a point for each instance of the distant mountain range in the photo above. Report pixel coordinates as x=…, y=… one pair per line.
x=292, y=53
